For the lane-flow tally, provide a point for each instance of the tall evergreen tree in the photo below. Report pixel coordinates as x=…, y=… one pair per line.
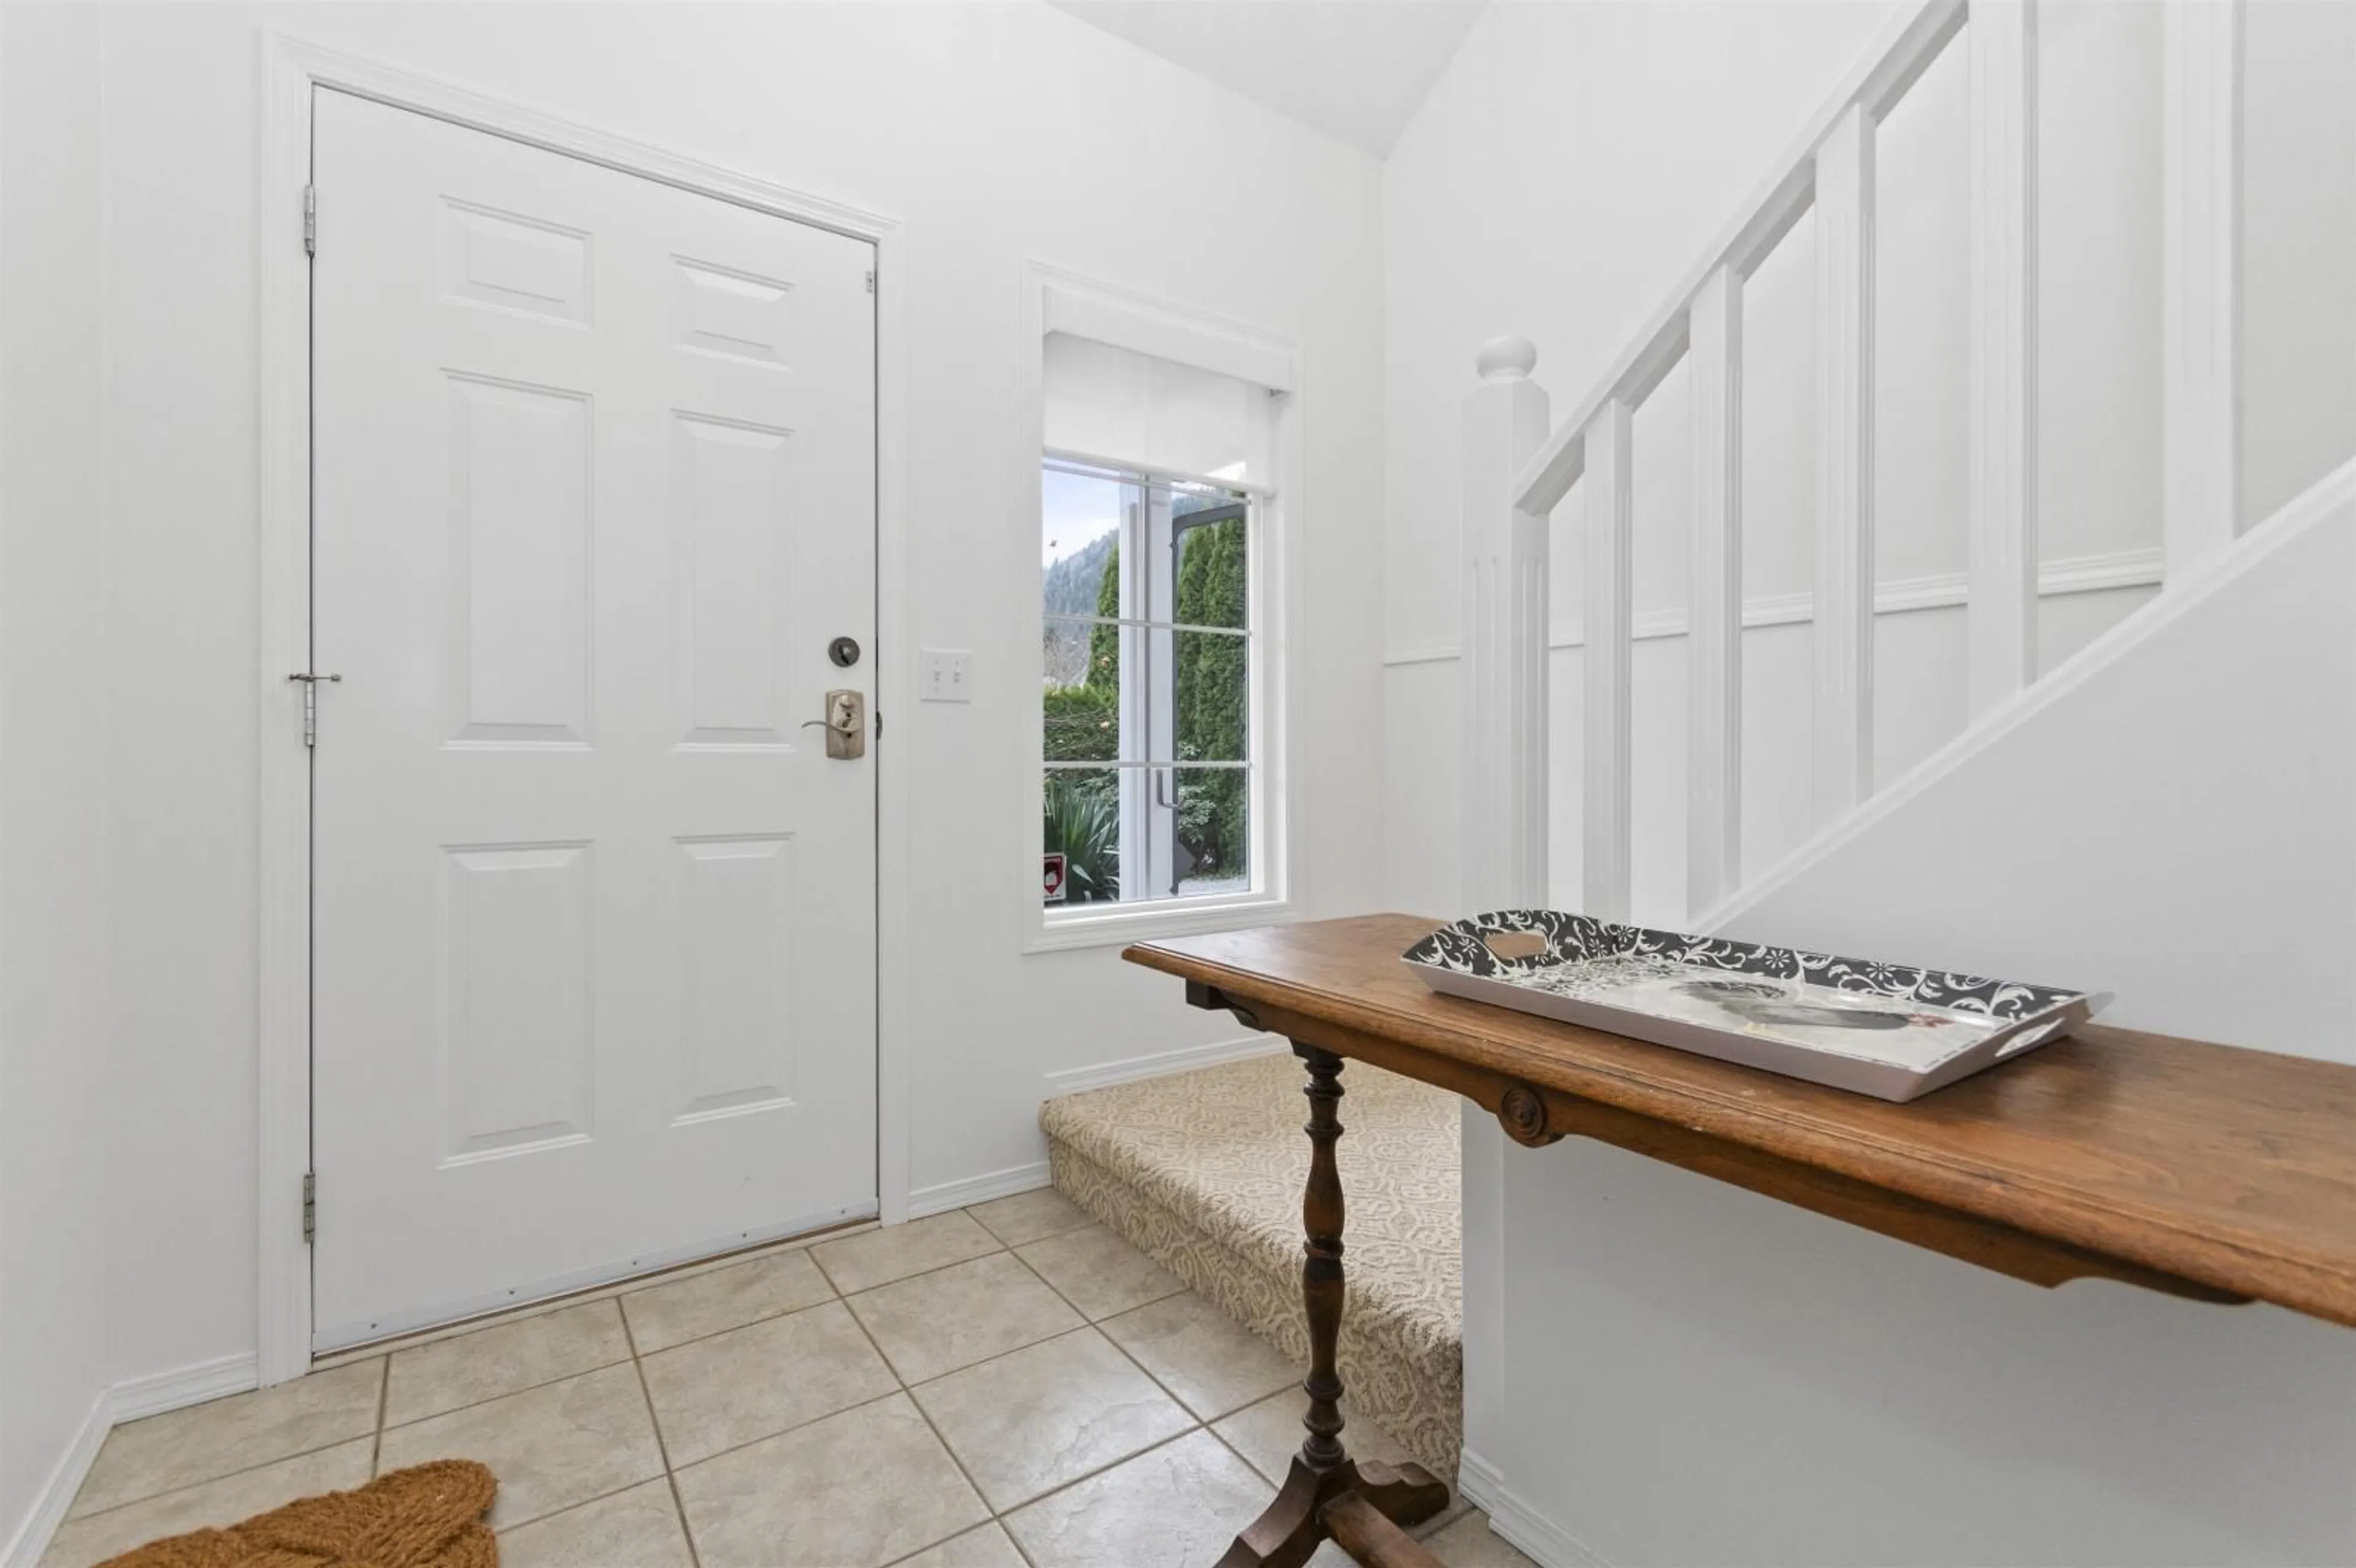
x=1213, y=722
x=1104, y=639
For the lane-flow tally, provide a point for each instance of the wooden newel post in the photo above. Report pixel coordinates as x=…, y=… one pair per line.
x=1503, y=846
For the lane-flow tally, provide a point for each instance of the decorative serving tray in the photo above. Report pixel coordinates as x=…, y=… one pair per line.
x=1886, y=1029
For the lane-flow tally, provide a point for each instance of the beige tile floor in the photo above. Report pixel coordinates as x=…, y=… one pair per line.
x=1003, y=1386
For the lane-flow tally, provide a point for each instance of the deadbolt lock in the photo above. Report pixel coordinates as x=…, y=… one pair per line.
x=845, y=725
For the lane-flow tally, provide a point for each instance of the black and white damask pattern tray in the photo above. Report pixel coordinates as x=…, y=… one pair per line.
x=1886, y=1029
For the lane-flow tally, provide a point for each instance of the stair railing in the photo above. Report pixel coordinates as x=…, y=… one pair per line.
x=1516, y=471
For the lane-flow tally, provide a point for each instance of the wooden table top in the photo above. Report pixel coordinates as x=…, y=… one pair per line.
x=2232, y=1169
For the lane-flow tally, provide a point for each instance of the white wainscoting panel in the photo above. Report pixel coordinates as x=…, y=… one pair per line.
x=1161, y=1064
x=949, y=1195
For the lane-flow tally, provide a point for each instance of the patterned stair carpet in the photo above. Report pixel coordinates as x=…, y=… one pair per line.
x=1203, y=1172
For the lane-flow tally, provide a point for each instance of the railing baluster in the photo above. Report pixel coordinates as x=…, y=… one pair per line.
x=1714, y=644
x=1843, y=633
x=2200, y=281
x=2002, y=38
x=1607, y=656
x=1503, y=606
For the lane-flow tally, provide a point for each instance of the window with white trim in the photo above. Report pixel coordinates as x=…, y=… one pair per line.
x=1155, y=497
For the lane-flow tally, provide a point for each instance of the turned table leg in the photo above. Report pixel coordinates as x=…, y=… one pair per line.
x=1323, y=1472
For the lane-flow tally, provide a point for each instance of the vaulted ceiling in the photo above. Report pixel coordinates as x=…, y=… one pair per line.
x=1354, y=68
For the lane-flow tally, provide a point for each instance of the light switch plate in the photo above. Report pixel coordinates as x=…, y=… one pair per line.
x=943, y=676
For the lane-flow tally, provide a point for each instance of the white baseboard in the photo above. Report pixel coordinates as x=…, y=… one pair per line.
x=56, y=1494
x=1015, y=1178
x=1073, y=1080
x=127, y=1400
x=1539, y=1539
x=979, y=1188
x=160, y=1392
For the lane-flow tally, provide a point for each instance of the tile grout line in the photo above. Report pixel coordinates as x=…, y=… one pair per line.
x=1087, y=1220
x=733, y=1327
x=1202, y=1423
x=303, y=1453
x=1063, y=1487
x=633, y=1353
x=503, y=1393
x=383, y=1427
x=72, y=1517
x=1196, y=1424
x=766, y=1436
x=1459, y=1507
x=1134, y=1306
x=662, y=1445
x=514, y=1525
x=919, y=1273
x=903, y=1387
x=1422, y=1532
x=909, y=1393
x=587, y=1295
x=630, y=1337
x=1101, y=1469
x=1168, y=1393
x=1173, y=1394
x=994, y=1516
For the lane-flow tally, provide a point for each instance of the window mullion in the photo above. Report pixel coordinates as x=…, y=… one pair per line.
x=1135, y=788
x=1157, y=582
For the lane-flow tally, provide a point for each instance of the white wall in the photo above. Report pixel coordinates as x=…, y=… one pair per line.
x=1665, y=1369
x=1704, y=1375
x=2298, y=248
x=1567, y=171
x=53, y=1169
x=997, y=132
x=2169, y=820
x=1566, y=168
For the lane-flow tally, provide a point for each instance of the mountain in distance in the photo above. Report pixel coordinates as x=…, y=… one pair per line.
x=1072, y=582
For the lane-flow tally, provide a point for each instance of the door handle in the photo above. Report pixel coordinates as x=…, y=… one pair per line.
x=845, y=725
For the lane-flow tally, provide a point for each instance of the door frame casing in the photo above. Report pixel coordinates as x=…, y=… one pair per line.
x=291, y=70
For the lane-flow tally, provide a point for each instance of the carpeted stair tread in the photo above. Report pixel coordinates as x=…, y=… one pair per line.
x=1203, y=1172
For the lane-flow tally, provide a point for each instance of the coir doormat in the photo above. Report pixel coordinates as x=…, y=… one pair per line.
x=428, y=1516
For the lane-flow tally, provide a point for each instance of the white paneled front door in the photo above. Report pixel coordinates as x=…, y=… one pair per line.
x=594, y=951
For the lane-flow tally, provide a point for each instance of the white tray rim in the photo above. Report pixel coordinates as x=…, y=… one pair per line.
x=1882, y=1080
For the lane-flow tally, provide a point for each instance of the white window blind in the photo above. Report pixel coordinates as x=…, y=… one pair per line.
x=1125, y=409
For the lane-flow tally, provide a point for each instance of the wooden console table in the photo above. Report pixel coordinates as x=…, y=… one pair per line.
x=2203, y=1170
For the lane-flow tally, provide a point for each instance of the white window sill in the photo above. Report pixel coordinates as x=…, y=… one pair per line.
x=1086, y=926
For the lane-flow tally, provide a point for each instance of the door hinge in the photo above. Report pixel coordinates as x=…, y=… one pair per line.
x=310, y=221
x=871, y=282
x=310, y=1205
x=311, y=684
